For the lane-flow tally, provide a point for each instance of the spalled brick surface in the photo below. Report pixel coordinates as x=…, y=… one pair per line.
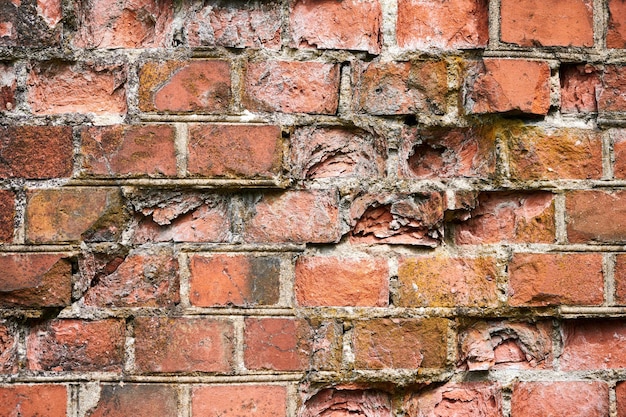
x=616, y=36
x=239, y=400
x=34, y=400
x=619, y=149
x=8, y=347
x=30, y=23
x=595, y=216
x=457, y=400
x=348, y=401
x=611, y=96
x=579, y=87
x=137, y=400
x=560, y=398
x=7, y=86
x=547, y=23
x=277, y=344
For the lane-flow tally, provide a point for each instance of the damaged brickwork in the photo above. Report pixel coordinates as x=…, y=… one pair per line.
x=312, y=208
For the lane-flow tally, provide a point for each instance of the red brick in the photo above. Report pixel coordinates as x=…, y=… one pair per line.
x=125, y=150
x=616, y=34
x=327, y=152
x=235, y=25
x=72, y=214
x=400, y=343
x=596, y=216
x=509, y=86
x=346, y=402
x=295, y=216
x=505, y=345
x=553, y=279
x=456, y=24
x=612, y=94
x=124, y=24
x=234, y=150
x=200, y=219
x=7, y=215
x=30, y=23
x=76, y=345
x=620, y=394
x=567, y=153
x=619, y=150
x=580, y=84
x=535, y=23
x=137, y=400
x=405, y=219
x=560, y=398
x=328, y=24
x=64, y=87
x=34, y=280
x=239, y=280
x=441, y=281
x=620, y=279
x=292, y=87
x=182, y=344
x=514, y=217
x=199, y=86
x=333, y=281
x=277, y=344
x=8, y=347
x=145, y=278
x=239, y=400
x=33, y=400
x=593, y=344
x=462, y=399
x=401, y=88
x=326, y=344
x=8, y=83
x=447, y=153
x=36, y=152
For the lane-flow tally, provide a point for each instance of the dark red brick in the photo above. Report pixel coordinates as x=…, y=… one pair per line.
x=137, y=400
x=9, y=339
x=7, y=215
x=8, y=84
x=612, y=94
x=596, y=216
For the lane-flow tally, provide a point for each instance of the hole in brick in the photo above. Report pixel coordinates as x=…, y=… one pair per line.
x=410, y=120
x=426, y=158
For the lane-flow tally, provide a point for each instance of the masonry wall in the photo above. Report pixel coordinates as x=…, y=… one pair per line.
x=312, y=208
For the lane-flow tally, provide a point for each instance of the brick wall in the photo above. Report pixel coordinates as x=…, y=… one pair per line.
x=312, y=208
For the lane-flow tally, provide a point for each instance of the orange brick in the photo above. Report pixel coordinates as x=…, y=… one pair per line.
x=462, y=399
x=239, y=400
x=560, y=398
x=33, y=400
x=616, y=34
x=580, y=85
x=593, y=344
x=277, y=344
x=7, y=215
x=596, y=216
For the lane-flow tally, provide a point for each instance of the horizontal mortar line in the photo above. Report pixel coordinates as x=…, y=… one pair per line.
x=172, y=378
x=480, y=250
x=619, y=121
x=180, y=246
x=244, y=247
x=538, y=375
x=357, y=313
x=601, y=311
x=242, y=311
x=248, y=118
x=179, y=182
x=39, y=248
x=593, y=55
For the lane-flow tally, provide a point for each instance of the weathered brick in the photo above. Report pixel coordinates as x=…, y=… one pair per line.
x=335, y=281
x=326, y=344
x=514, y=217
x=199, y=86
x=485, y=345
x=76, y=345
x=138, y=400
x=184, y=217
x=620, y=279
x=560, y=398
x=72, y=214
x=327, y=24
x=616, y=34
x=447, y=153
x=235, y=24
x=541, y=154
x=36, y=152
x=35, y=280
x=48, y=400
x=451, y=400
x=537, y=279
x=535, y=23
x=508, y=86
x=239, y=400
x=337, y=402
x=292, y=87
x=619, y=150
x=456, y=24
x=128, y=150
x=400, y=343
x=596, y=216
x=65, y=87
x=123, y=24
x=593, y=344
x=406, y=219
x=8, y=84
x=612, y=96
x=620, y=396
x=442, y=281
x=239, y=280
x=30, y=23
x=277, y=344
x=327, y=152
x=8, y=347
x=580, y=84
x=7, y=215
x=183, y=344
x=234, y=150
x=295, y=216
x=144, y=278
x=401, y=87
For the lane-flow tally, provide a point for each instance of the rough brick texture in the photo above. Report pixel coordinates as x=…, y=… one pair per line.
x=312, y=208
